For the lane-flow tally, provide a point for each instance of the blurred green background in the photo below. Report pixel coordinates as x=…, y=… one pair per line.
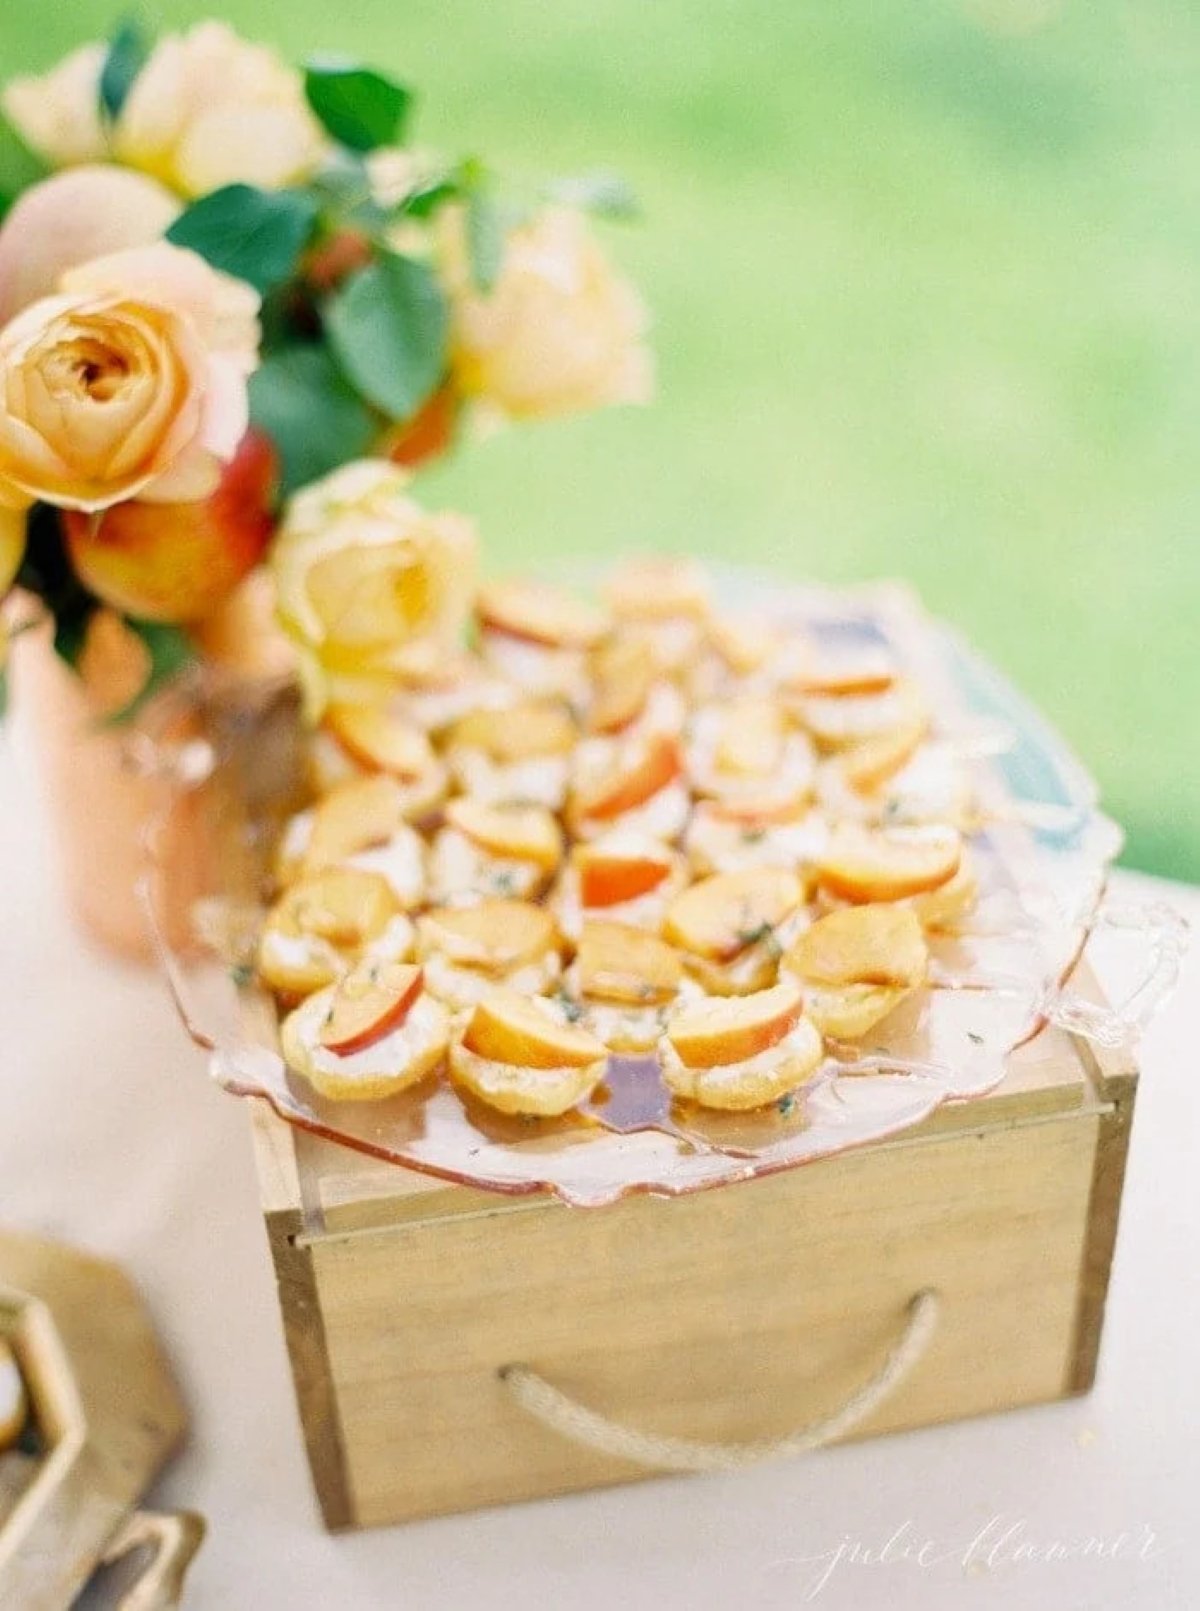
x=925, y=280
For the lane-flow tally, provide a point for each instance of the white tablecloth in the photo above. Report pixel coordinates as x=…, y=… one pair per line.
x=111, y=1137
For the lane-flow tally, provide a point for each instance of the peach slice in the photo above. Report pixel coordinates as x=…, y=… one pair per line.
x=860, y=864
x=379, y=740
x=495, y=935
x=845, y=673
x=610, y=874
x=618, y=963
x=657, y=588
x=765, y=808
x=869, y=945
x=638, y=774
x=837, y=720
x=515, y=832
x=343, y=905
x=509, y=1028
x=751, y=737
x=368, y=1003
x=724, y=915
x=625, y=672
x=868, y=765
x=540, y=613
x=715, y=1033
x=356, y=815
x=744, y=643
x=521, y=732
x=946, y=906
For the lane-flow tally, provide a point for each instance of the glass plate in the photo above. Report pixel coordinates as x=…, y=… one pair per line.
x=1042, y=847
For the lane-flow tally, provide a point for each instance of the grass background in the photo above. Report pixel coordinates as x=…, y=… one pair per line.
x=925, y=279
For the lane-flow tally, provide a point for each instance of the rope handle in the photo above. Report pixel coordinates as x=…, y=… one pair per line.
x=573, y=1420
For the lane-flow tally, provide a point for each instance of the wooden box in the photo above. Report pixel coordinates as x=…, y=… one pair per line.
x=733, y=1314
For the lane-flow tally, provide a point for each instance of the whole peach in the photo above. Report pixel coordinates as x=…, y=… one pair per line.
x=178, y=561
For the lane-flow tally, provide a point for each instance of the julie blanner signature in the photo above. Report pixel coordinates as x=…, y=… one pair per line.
x=1003, y=1541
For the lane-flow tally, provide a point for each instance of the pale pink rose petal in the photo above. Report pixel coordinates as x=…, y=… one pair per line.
x=195, y=474
x=71, y=217
x=225, y=416
x=223, y=310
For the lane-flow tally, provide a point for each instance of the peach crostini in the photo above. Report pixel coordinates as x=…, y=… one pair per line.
x=740, y=655
x=522, y=753
x=629, y=695
x=640, y=789
x=323, y=925
x=741, y=1053
x=505, y=849
x=898, y=780
x=841, y=672
x=359, y=824
x=354, y=742
x=623, y=985
x=767, y=830
x=517, y=1055
x=835, y=721
x=624, y=876
x=857, y=965
x=662, y=602
x=732, y=928
x=538, y=636
x=742, y=749
x=468, y=950
x=887, y=864
x=374, y=1033
x=946, y=907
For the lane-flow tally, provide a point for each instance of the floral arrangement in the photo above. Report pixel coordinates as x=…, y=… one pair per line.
x=223, y=279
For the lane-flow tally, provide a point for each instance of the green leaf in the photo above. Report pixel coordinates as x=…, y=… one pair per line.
x=344, y=187
x=360, y=108
x=485, y=239
x=127, y=52
x=425, y=201
x=607, y=195
x=388, y=327
x=19, y=166
x=302, y=401
x=257, y=235
x=170, y=650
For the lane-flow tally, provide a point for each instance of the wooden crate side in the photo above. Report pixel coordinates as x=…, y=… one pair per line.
x=302, y=1309
x=1104, y=1210
x=730, y=1315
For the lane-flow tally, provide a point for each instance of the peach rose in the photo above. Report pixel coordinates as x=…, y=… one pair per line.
x=57, y=113
x=559, y=332
x=131, y=382
x=361, y=574
x=72, y=217
x=210, y=109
